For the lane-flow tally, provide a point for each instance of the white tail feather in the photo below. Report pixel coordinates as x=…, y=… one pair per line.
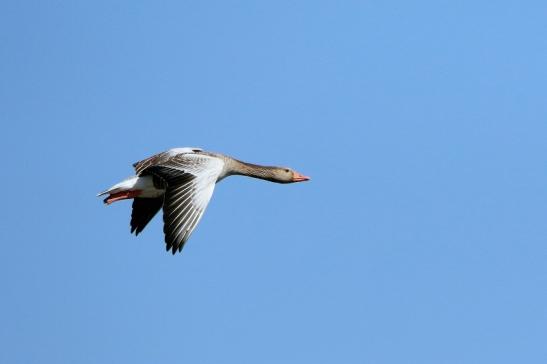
x=133, y=183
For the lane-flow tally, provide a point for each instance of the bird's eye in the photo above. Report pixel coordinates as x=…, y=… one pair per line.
x=287, y=170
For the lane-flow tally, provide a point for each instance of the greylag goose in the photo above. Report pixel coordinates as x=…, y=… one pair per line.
x=181, y=181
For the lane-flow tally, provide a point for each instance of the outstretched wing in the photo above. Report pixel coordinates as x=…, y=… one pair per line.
x=190, y=180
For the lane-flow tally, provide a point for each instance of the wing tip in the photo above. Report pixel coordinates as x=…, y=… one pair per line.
x=173, y=246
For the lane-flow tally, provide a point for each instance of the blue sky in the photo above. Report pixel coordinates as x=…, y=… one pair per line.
x=420, y=239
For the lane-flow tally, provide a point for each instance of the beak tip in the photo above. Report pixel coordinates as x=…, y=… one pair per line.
x=301, y=178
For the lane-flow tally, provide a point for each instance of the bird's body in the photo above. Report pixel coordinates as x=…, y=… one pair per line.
x=181, y=181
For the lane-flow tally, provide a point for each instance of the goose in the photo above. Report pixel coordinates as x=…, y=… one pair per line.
x=181, y=182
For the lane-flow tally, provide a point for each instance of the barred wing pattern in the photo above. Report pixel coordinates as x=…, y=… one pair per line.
x=190, y=179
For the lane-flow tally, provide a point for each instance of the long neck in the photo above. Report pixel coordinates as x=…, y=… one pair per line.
x=253, y=170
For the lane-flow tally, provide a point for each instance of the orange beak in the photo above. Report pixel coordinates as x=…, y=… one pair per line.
x=297, y=177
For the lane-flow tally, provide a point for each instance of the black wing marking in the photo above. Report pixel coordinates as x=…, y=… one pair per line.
x=144, y=209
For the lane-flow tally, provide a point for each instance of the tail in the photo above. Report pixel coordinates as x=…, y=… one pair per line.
x=120, y=191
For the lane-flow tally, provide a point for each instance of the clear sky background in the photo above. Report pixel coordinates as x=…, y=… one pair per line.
x=420, y=239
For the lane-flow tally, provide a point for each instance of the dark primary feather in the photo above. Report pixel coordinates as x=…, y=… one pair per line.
x=144, y=209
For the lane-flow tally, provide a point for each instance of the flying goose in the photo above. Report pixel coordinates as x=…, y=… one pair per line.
x=181, y=181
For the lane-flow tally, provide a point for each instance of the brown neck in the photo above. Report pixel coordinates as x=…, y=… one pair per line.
x=253, y=170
